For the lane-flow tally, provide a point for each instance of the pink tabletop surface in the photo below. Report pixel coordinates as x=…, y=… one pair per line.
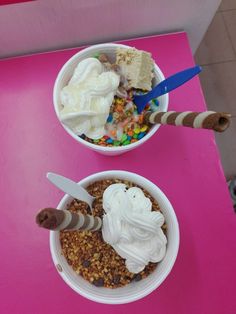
x=183, y=162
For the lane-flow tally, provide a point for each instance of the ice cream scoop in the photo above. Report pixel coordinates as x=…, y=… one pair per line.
x=132, y=228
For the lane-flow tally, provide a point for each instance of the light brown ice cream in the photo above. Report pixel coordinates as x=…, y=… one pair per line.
x=137, y=66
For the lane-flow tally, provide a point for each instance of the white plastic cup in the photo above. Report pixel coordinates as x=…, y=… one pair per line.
x=135, y=290
x=65, y=75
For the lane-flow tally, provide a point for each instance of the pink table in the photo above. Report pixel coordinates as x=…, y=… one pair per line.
x=183, y=162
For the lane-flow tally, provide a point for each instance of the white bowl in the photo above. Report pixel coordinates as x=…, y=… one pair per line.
x=65, y=75
x=134, y=290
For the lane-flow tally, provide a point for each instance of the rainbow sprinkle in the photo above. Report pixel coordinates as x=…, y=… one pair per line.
x=124, y=125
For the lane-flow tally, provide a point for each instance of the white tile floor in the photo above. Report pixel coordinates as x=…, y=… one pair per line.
x=217, y=55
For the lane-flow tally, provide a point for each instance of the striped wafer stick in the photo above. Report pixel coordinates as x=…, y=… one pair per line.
x=217, y=121
x=56, y=220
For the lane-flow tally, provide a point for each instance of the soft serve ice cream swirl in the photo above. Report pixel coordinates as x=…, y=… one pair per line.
x=131, y=228
x=89, y=93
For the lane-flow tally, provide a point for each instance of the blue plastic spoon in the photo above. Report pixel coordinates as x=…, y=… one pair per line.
x=166, y=86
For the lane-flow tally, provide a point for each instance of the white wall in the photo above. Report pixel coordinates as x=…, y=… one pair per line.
x=46, y=24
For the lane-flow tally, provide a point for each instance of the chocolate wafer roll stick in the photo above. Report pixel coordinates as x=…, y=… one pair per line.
x=54, y=219
x=217, y=121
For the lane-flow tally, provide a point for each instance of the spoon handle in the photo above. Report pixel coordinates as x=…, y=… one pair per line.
x=173, y=82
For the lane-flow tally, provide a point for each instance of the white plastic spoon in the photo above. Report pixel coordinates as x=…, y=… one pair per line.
x=74, y=115
x=70, y=187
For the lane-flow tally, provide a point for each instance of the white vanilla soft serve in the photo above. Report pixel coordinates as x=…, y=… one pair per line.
x=131, y=228
x=90, y=93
